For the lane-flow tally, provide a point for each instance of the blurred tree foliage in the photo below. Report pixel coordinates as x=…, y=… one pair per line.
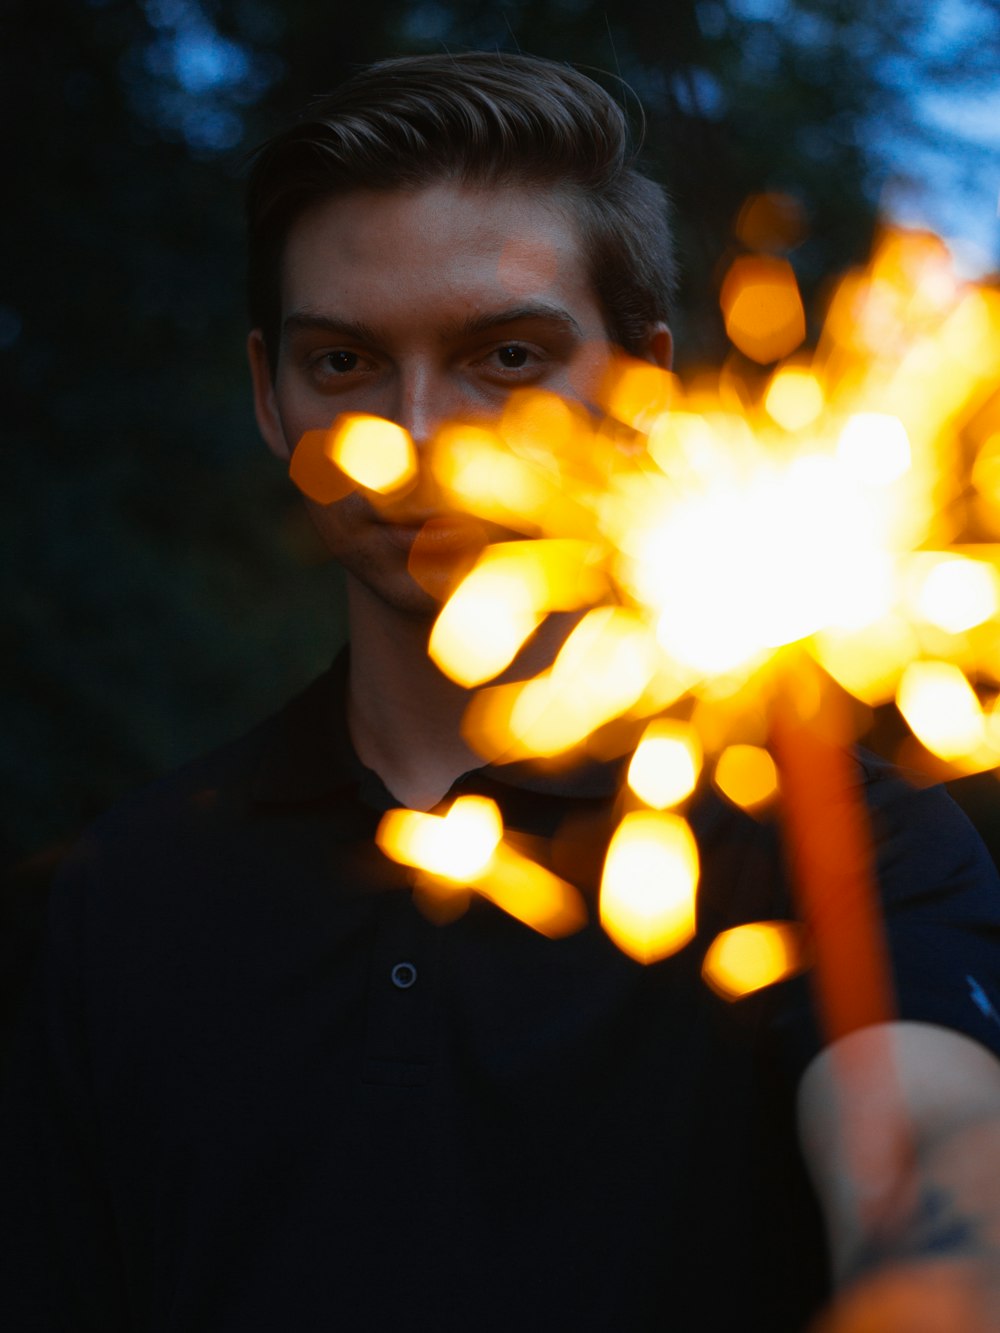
x=162, y=590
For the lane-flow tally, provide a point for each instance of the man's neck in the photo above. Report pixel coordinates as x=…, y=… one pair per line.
x=404, y=715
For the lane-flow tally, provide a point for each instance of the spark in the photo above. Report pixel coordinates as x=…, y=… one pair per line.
x=648, y=885
x=825, y=522
x=747, y=958
x=747, y=775
x=666, y=763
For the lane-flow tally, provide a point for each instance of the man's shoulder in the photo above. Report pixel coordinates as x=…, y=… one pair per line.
x=279, y=760
x=218, y=779
x=909, y=810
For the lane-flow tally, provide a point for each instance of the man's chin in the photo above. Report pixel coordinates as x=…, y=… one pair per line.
x=420, y=605
x=402, y=597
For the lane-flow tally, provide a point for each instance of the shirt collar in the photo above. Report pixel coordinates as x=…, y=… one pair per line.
x=307, y=756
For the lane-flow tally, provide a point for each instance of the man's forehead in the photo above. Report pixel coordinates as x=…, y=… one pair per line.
x=526, y=261
x=521, y=229
x=486, y=249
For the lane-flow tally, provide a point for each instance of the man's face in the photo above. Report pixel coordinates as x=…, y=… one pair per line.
x=422, y=307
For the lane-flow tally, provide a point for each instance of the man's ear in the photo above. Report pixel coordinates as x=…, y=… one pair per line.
x=265, y=404
x=660, y=346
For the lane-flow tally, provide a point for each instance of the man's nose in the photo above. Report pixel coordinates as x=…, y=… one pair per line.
x=423, y=400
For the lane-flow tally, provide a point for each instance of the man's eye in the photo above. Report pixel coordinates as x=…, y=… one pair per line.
x=513, y=357
x=342, y=362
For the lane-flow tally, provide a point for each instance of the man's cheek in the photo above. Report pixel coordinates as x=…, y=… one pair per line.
x=588, y=370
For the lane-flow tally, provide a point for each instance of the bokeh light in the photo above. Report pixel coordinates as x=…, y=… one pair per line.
x=377, y=454
x=826, y=529
x=956, y=593
x=794, y=397
x=874, y=447
x=746, y=775
x=762, y=307
x=941, y=709
x=666, y=763
x=649, y=883
x=314, y=472
x=747, y=958
x=457, y=846
x=464, y=850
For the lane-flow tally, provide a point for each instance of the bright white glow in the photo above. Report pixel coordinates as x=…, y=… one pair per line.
x=875, y=448
x=958, y=594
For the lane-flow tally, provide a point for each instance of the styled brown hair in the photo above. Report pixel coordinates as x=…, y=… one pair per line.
x=481, y=119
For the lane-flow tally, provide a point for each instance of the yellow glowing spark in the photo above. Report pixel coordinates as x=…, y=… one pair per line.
x=559, y=574
x=474, y=465
x=526, y=890
x=601, y=670
x=794, y=397
x=377, y=454
x=875, y=447
x=666, y=763
x=956, y=593
x=464, y=848
x=457, y=846
x=483, y=625
x=511, y=588
x=749, y=957
x=941, y=709
x=762, y=307
x=314, y=472
x=844, y=510
x=869, y=663
x=637, y=393
x=986, y=469
x=747, y=775
x=738, y=570
x=608, y=655
x=649, y=883
x=683, y=443
x=540, y=425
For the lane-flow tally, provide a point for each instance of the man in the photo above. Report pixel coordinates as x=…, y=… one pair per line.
x=260, y=1090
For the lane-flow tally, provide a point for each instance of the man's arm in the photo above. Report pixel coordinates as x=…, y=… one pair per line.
x=900, y=1129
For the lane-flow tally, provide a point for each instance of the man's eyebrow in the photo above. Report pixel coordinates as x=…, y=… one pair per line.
x=308, y=321
x=540, y=312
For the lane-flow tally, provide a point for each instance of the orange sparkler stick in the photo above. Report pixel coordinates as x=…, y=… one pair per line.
x=830, y=848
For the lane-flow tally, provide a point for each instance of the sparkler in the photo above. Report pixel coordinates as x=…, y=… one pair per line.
x=833, y=522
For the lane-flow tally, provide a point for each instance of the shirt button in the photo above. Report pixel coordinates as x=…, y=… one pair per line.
x=403, y=976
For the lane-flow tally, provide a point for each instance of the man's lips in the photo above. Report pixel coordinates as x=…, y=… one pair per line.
x=440, y=549
x=439, y=533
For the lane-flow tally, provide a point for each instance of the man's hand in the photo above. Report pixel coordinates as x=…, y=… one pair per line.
x=900, y=1127
x=942, y=1296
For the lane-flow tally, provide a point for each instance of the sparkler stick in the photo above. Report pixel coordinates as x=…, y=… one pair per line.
x=829, y=842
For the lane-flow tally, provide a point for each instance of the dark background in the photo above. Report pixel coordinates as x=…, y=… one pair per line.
x=161, y=588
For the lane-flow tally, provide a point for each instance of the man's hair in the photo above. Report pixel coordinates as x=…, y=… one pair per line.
x=477, y=119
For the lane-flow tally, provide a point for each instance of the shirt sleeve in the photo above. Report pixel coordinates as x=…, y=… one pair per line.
x=941, y=897
x=58, y=1259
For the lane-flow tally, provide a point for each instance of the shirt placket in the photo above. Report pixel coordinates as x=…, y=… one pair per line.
x=401, y=1036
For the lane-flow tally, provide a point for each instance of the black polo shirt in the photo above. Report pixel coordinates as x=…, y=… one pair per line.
x=259, y=1090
